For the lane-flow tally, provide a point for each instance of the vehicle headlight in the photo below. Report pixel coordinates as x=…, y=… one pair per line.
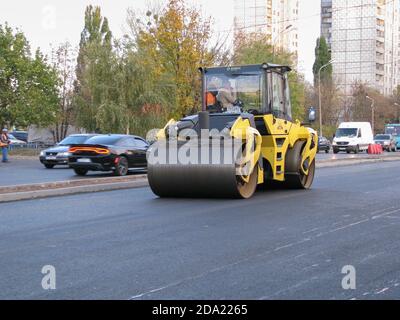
x=42, y=153
x=387, y=143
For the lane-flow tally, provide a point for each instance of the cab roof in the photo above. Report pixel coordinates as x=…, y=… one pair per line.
x=247, y=68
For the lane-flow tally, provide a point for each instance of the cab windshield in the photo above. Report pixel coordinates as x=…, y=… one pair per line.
x=346, y=133
x=393, y=130
x=382, y=137
x=232, y=93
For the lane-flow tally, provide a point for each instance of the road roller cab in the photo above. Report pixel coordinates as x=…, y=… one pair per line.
x=244, y=137
x=256, y=89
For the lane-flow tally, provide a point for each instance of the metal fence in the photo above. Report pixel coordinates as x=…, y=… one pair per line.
x=29, y=145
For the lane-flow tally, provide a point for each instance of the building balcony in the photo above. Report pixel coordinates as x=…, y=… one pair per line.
x=380, y=39
x=380, y=28
x=380, y=49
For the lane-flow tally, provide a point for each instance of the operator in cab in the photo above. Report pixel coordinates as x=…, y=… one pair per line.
x=227, y=97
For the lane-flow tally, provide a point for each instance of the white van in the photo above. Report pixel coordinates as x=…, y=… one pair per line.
x=353, y=137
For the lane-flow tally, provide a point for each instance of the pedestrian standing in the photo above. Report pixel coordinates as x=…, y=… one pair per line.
x=4, y=143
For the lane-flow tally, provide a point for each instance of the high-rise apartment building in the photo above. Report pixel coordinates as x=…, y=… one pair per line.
x=276, y=19
x=364, y=43
x=326, y=20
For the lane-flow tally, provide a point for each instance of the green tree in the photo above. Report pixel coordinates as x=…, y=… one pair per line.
x=94, y=87
x=322, y=57
x=28, y=85
x=256, y=50
x=175, y=42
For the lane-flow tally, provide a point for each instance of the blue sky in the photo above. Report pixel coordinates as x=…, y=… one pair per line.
x=54, y=21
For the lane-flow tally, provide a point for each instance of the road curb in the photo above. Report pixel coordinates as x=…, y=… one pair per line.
x=30, y=195
x=351, y=162
x=71, y=187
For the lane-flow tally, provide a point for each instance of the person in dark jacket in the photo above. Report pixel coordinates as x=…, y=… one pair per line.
x=4, y=143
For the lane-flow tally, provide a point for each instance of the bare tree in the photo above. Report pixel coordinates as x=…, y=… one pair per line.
x=64, y=58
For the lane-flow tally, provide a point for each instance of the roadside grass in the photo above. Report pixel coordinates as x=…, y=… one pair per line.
x=25, y=152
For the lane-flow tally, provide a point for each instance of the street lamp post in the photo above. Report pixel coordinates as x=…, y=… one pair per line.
x=373, y=113
x=319, y=95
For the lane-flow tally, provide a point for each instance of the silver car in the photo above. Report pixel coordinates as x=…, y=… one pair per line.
x=387, y=141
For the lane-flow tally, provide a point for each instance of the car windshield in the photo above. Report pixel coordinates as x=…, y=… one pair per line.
x=104, y=140
x=10, y=136
x=234, y=92
x=382, y=137
x=73, y=140
x=346, y=133
x=393, y=130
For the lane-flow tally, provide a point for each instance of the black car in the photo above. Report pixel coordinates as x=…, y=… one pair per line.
x=58, y=155
x=324, y=144
x=117, y=153
x=20, y=135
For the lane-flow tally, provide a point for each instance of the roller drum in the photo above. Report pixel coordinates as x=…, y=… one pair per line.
x=212, y=180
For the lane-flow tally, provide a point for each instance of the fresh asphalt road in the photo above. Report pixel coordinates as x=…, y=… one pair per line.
x=20, y=171
x=278, y=245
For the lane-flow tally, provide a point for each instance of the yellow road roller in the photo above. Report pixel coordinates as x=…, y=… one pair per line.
x=243, y=138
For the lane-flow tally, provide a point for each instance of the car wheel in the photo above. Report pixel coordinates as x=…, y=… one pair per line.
x=49, y=166
x=122, y=167
x=326, y=151
x=357, y=150
x=335, y=151
x=81, y=172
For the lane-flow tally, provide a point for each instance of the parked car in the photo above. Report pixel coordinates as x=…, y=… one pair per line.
x=14, y=141
x=20, y=135
x=387, y=141
x=353, y=137
x=117, y=153
x=324, y=144
x=58, y=155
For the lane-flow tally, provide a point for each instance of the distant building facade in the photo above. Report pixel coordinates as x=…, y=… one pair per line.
x=364, y=41
x=326, y=21
x=276, y=19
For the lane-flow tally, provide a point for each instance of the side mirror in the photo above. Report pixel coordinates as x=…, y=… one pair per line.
x=312, y=115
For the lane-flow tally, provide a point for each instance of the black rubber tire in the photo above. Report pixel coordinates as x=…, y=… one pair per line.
x=49, y=166
x=297, y=180
x=326, y=151
x=122, y=167
x=357, y=150
x=81, y=172
x=335, y=151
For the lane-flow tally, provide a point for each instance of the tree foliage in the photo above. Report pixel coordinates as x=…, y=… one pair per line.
x=174, y=42
x=63, y=61
x=385, y=109
x=94, y=87
x=28, y=85
x=322, y=57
